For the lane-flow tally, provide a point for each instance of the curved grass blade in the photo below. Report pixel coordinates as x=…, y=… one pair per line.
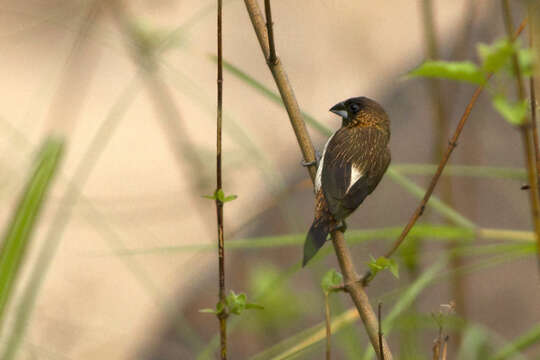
x=407, y=299
x=308, y=338
x=433, y=202
x=18, y=235
x=441, y=232
x=310, y=120
x=430, y=231
x=531, y=337
x=463, y=170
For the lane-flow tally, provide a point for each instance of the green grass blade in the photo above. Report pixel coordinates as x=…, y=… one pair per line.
x=272, y=95
x=442, y=232
x=305, y=339
x=429, y=231
x=310, y=337
x=407, y=298
x=433, y=202
x=24, y=220
x=463, y=170
x=522, y=342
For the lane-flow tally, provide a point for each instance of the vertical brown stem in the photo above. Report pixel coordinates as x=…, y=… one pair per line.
x=222, y=316
x=534, y=128
x=328, y=326
x=379, y=310
x=532, y=94
x=526, y=135
x=272, y=57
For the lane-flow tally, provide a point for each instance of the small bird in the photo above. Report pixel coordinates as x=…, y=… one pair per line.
x=353, y=162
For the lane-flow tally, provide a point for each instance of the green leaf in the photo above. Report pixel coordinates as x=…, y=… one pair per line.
x=383, y=263
x=254, y=306
x=526, y=61
x=236, y=303
x=230, y=198
x=220, y=307
x=331, y=280
x=208, y=310
x=460, y=71
x=409, y=252
x=394, y=268
x=25, y=217
x=514, y=113
x=495, y=56
x=220, y=195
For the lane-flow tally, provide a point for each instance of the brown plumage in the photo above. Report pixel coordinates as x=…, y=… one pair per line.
x=353, y=162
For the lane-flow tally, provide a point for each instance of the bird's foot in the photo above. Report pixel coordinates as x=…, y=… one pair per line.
x=314, y=162
x=342, y=227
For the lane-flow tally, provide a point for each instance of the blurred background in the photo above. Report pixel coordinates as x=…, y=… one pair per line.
x=122, y=256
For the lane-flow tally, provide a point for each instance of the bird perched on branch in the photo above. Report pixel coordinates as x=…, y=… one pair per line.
x=353, y=162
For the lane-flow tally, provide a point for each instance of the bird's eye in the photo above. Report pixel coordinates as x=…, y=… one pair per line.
x=354, y=108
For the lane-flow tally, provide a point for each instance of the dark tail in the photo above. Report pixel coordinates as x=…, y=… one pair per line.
x=316, y=238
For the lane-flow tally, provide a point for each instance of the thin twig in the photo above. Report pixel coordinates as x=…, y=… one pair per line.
x=284, y=87
x=534, y=127
x=526, y=135
x=532, y=94
x=328, y=326
x=379, y=310
x=436, y=349
x=451, y=146
x=222, y=315
x=445, y=348
x=350, y=275
x=272, y=58
x=438, y=342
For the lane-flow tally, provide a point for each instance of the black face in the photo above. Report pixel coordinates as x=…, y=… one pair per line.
x=353, y=109
x=350, y=108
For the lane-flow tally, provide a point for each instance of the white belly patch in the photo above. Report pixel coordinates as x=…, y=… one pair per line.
x=356, y=174
x=318, y=177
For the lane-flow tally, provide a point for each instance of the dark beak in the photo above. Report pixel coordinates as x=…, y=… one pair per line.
x=340, y=109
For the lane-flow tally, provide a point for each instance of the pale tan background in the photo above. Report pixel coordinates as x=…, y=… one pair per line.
x=94, y=305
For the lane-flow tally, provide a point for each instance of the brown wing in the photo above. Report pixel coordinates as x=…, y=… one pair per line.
x=351, y=151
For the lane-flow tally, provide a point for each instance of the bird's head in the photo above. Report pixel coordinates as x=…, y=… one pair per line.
x=364, y=112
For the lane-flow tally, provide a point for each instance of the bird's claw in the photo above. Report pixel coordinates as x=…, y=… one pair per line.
x=314, y=162
x=308, y=163
x=342, y=227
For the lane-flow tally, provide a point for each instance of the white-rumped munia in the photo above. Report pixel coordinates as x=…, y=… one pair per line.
x=353, y=162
